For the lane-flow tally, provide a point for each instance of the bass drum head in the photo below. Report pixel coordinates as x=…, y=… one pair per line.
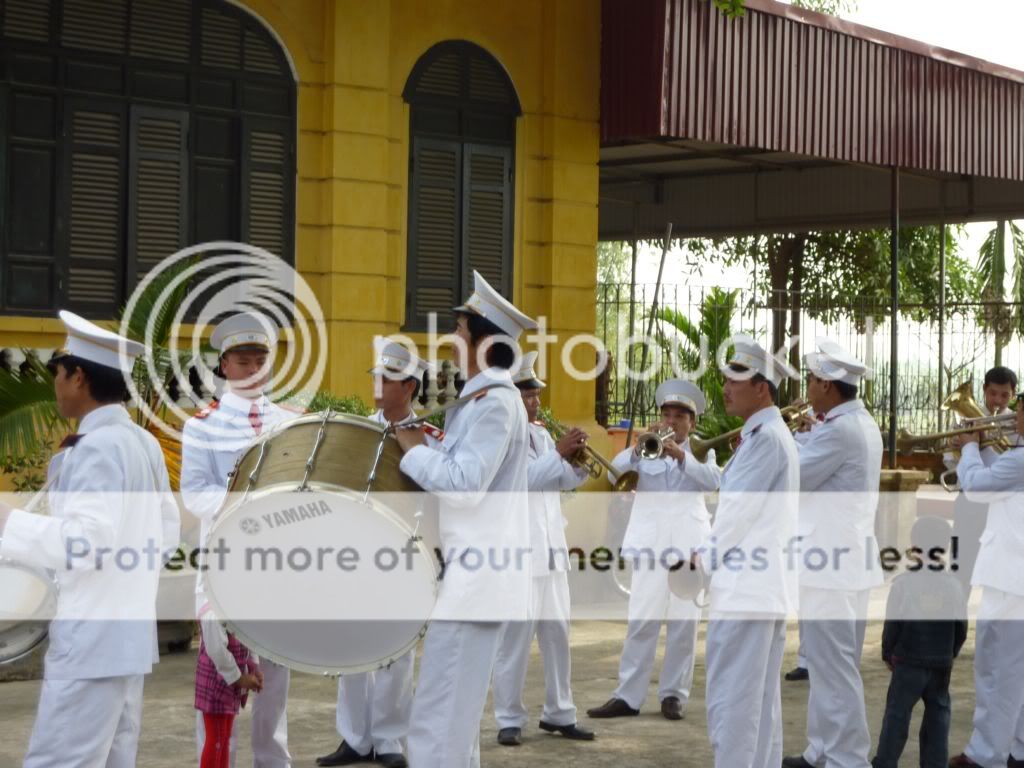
x=320, y=581
x=28, y=600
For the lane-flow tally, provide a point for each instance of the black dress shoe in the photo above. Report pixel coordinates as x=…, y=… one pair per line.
x=796, y=761
x=798, y=673
x=672, y=708
x=1014, y=762
x=392, y=760
x=510, y=737
x=569, y=731
x=344, y=755
x=613, y=708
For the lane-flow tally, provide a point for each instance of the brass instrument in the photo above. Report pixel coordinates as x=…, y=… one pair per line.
x=792, y=414
x=905, y=441
x=593, y=462
x=961, y=402
x=651, y=445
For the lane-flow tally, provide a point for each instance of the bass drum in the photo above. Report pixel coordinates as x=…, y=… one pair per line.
x=311, y=570
x=28, y=600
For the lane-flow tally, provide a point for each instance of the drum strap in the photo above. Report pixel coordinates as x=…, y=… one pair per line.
x=458, y=402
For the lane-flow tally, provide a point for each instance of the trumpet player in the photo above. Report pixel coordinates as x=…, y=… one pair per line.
x=969, y=517
x=998, y=735
x=840, y=465
x=549, y=472
x=669, y=519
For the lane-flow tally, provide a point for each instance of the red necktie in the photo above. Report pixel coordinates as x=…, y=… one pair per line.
x=255, y=420
x=820, y=416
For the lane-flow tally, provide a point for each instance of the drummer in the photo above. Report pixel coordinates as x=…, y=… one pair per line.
x=108, y=490
x=212, y=442
x=374, y=707
x=480, y=471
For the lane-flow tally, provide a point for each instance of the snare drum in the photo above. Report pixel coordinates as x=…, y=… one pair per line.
x=28, y=600
x=316, y=573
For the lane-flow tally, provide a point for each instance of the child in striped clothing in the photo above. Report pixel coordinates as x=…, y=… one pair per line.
x=225, y=673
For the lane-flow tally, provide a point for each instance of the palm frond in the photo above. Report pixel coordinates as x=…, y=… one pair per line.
x=992, y=264
x=150, y=308
x=1017, y=295
x=28, y=411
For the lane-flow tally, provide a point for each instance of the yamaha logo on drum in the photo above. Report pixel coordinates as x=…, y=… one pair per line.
x=295, y=514
x=249, y=525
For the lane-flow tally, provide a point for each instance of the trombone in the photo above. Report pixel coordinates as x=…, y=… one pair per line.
x=1003, y=425
x=593, y=462
x=793, y=414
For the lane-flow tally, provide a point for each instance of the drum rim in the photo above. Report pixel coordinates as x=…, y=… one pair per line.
x=52, y=595
x=301, y=666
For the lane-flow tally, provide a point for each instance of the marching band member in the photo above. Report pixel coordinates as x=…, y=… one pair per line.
x=840, y=468
x=969, y=517
x=549, y=472
x=108, y=491
x=998, y=737
x=751, y=588
x=480, y=470
x=212, y=442
x=669, y=519
x=374, y=707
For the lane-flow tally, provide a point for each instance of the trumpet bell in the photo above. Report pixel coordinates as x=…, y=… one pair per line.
x=626, y=482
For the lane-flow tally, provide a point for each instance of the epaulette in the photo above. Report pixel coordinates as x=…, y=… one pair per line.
x=432, y=431
x=537, y=423
x=291, y=408
x=478, y=395
x=207, y=410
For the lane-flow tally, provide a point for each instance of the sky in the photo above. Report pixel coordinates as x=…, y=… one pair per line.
x=987, y=29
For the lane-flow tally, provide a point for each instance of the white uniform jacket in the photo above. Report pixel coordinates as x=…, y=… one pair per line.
x=1001, y=486
x=669, y=513
x=480, y=473
x=212, y=443
x=548, y=474
x=109, y=491
x=840, y=467
x=756, y=519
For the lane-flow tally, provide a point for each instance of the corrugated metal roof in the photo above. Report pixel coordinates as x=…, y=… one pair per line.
x=781, y=79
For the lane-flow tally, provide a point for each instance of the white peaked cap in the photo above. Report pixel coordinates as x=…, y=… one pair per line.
x=525, y=373
x=491, y=305
x=246, y=329
x=833, y=363
x=753, y=356
x=680, y=392
x=393, y=358
x=88, y=341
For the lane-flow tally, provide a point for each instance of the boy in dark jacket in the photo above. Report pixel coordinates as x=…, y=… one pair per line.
x=925, y=627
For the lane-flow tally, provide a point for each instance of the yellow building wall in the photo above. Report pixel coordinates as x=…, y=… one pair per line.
x=352, y=59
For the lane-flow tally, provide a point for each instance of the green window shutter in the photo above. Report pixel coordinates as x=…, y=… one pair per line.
x=268, y=184
x=487, y=216
x=95, y=138
x=434, y=231
x=157, y=189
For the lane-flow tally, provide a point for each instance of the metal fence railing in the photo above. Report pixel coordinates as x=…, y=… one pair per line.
x=964, y=346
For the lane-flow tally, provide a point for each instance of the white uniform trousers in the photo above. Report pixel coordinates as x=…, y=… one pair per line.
x=651, y=603
x=269, y=721
x=550, y=609
x=87, y=723
x=801, y=651
x=837, y=721
x=451, y=693
x=374, y=707
x=998, y=680
x=744, y=698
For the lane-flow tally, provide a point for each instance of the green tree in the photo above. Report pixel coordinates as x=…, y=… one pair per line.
x=736, y=8
x=1004, y=319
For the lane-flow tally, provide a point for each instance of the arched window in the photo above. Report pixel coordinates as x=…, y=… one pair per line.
x=130, y=129
x=462, y=136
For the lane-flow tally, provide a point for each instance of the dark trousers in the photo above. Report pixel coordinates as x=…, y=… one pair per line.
x=909, y=685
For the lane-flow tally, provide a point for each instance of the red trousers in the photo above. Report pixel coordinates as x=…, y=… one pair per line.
x=217, y=747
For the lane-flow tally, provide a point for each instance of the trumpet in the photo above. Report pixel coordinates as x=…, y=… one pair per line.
x=651, y=445
x=593, y=462
x=1002, y=425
